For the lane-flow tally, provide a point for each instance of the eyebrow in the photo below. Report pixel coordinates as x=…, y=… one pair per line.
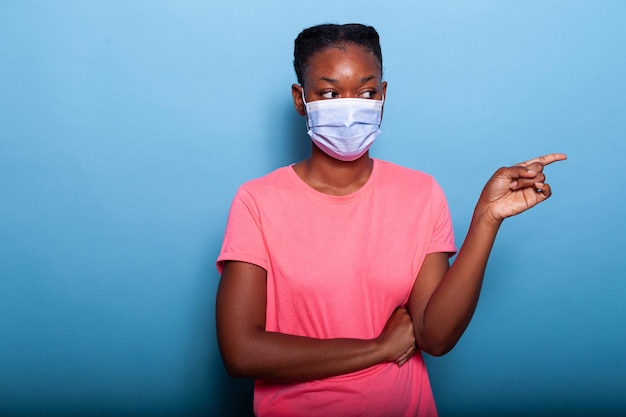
x=335, y=81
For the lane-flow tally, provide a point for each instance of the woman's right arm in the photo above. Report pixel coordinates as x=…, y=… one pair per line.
x=250, y=351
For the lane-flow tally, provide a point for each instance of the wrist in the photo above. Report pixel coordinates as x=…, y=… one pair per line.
x=381, y=352
x=483, y=216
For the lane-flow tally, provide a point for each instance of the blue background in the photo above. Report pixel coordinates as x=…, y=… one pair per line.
x=126, y=127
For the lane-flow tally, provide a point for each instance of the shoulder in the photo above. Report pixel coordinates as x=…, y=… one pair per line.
x=270, y=178
x=268, y=182
x=270, y=190
x=391, y=173
x=412, y=189
x=408, y=184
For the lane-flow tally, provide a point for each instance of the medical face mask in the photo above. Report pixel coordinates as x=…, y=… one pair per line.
x=344, y=128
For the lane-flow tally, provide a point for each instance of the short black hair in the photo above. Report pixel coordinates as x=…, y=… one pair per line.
x=320, y=37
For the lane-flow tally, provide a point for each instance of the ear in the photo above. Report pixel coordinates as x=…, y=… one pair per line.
x=385, y=96
x=296, y=93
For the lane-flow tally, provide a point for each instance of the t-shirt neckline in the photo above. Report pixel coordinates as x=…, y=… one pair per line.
x=336, y=198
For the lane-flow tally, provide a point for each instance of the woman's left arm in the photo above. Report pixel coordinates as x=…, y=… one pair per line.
x=444, y=297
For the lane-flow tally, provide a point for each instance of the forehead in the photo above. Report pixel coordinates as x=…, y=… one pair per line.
x=343, y=61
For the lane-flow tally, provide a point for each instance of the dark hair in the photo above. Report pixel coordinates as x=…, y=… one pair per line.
x=318, y=38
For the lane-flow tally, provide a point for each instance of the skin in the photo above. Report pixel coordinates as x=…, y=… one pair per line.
x=443, y=298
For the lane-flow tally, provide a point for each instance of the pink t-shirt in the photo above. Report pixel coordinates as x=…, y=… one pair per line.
x=337, y=267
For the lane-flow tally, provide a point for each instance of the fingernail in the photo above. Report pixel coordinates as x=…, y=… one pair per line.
x=538, y=187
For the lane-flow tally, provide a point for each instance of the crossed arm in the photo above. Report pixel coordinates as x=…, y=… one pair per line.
x=440, y=306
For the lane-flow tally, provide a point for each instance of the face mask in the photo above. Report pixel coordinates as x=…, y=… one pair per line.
x=344, y=128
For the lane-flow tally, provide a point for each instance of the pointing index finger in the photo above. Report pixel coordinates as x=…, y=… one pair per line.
x=545, y=159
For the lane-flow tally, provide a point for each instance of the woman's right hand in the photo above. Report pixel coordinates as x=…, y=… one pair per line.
x=398, y=337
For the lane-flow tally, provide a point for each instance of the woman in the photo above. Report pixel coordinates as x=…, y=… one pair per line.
x=335, y=271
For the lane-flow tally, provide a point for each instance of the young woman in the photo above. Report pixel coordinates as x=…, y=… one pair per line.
x=335, y=271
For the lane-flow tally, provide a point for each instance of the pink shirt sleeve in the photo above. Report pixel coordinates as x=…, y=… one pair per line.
x=443, y=233
x=243, y=239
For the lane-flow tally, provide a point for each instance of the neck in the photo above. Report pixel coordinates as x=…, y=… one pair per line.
x=332, y=176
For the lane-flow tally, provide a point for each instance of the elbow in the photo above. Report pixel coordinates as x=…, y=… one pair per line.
x=244, y=361
x=242, y=353
x=235, y=371
x=237, y=354
x=437, y=341
x=437, y=347
x=237, y=366
x=438, y=350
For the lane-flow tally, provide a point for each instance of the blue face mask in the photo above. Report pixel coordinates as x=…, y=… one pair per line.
x=344, y=128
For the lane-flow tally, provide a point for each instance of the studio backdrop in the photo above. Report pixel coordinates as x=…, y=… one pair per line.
x=127, y=126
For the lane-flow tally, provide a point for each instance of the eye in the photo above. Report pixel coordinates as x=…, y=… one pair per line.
x=368, y=94
x=329, y=94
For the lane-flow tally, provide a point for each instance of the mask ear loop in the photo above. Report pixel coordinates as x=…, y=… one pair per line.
x=302, y=93
x=305, y=109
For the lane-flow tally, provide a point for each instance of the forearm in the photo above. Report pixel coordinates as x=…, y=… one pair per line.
x=276, y=356
x=444, y=298
x=248, y=350
x=453, y=303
